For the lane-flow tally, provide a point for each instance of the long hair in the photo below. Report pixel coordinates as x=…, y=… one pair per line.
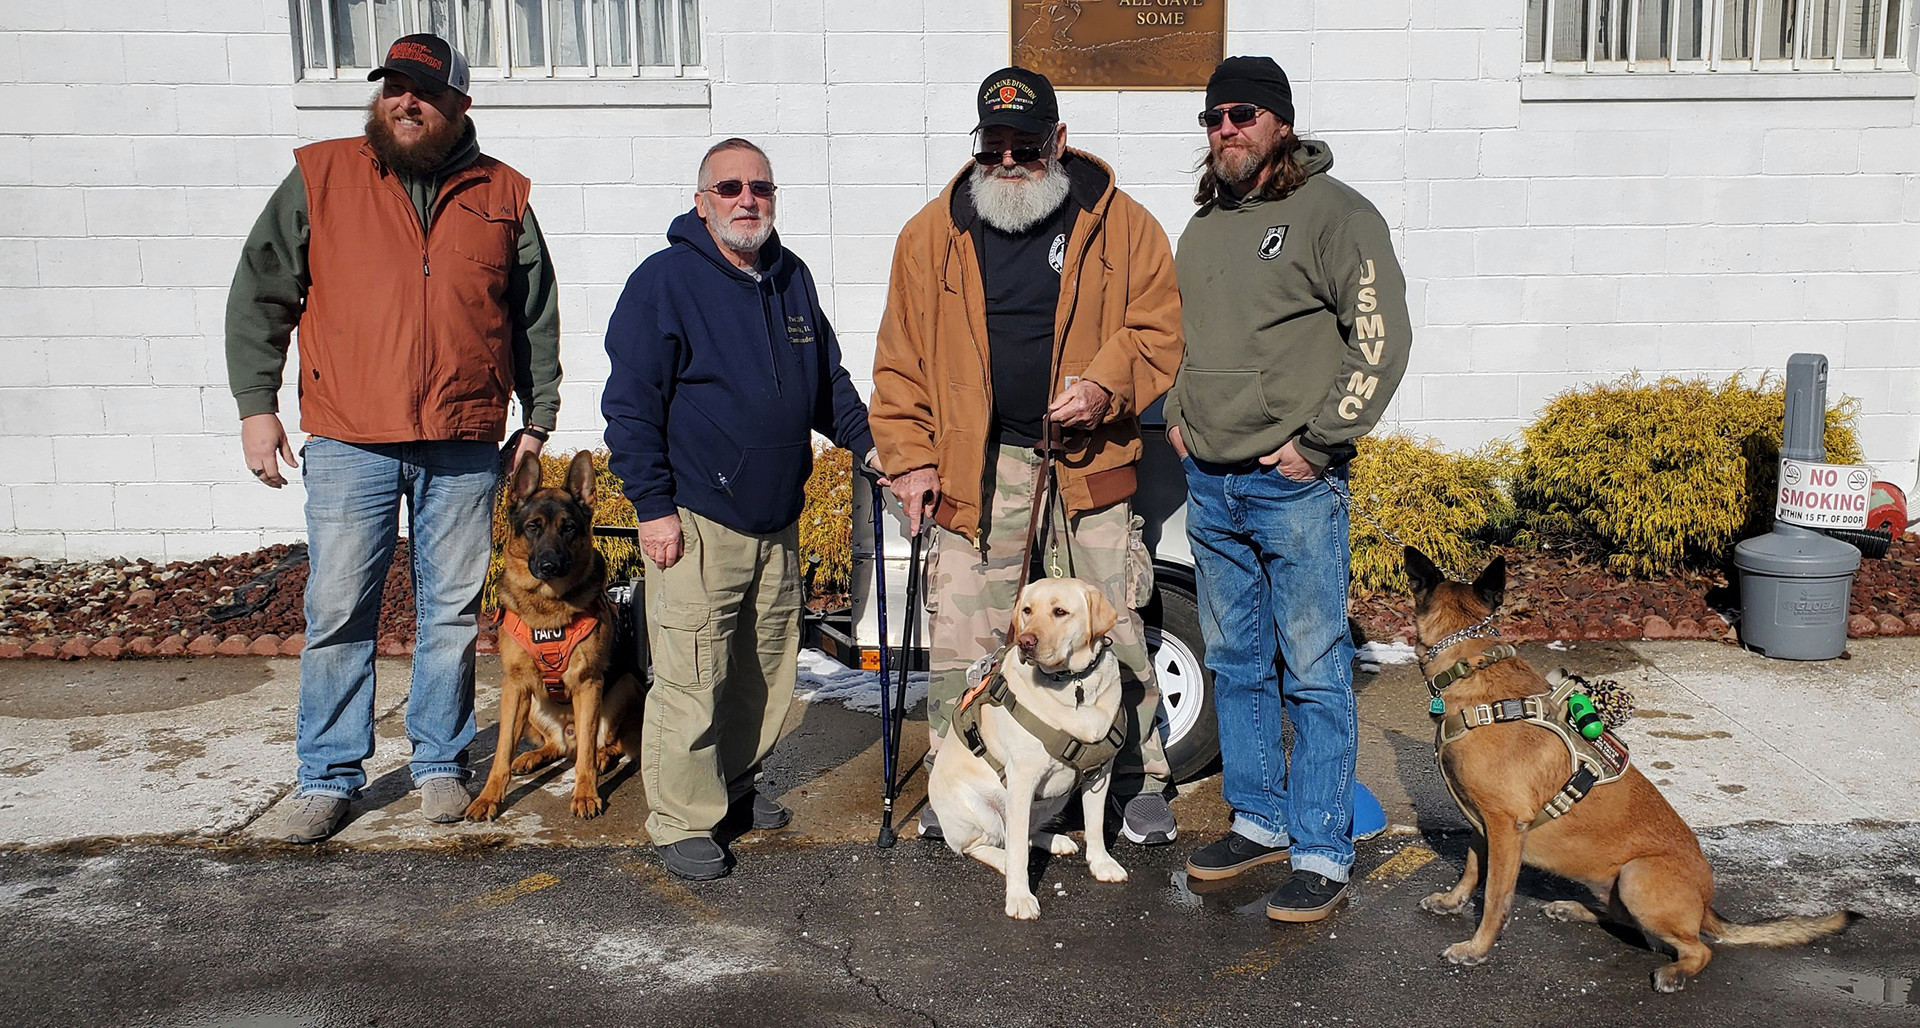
x=1284, y=170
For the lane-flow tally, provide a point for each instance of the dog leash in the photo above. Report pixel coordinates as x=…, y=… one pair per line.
x=1046, y=488
x=1352, y=504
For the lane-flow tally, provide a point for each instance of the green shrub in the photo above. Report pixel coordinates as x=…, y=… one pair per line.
x=1653, y=476
x=826, y=525
x=1447, y=504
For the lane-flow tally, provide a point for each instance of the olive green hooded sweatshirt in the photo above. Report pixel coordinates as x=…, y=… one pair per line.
x=1295, y=313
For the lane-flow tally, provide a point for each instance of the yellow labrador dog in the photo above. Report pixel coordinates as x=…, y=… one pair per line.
x=1021, y=741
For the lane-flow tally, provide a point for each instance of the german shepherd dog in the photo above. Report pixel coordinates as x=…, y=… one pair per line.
x=1623, y=841
x=555, y=583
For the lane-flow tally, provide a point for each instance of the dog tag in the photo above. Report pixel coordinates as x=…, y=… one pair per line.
x=1436, y=706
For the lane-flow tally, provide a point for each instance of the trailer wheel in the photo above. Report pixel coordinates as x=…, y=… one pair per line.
x=1178, y=654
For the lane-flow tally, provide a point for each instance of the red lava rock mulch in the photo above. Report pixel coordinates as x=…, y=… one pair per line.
x=251, y=604
x=1552, y=595
x=231, y=606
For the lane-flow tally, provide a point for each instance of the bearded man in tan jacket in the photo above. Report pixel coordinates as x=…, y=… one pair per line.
x=1030, y=291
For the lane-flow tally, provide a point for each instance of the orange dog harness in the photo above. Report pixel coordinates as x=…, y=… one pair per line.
x=551, y=648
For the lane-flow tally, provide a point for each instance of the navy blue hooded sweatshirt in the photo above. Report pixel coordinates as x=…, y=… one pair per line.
x=718, y=382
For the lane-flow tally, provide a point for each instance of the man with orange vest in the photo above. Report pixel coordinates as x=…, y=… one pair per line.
x=411, y=264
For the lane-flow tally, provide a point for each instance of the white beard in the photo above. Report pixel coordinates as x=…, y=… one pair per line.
x=1015, y=202
x=746, y=236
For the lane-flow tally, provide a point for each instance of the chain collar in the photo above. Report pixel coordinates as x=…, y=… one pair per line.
x=1482, y=629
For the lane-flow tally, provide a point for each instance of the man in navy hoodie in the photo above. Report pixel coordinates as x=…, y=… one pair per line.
x=723, y=368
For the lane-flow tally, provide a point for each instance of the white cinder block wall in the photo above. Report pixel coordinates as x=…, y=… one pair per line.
x=1549, y=243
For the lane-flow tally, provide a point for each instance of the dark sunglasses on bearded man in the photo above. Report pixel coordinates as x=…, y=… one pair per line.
x=1242, y=114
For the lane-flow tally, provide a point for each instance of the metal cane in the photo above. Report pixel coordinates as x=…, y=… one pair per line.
x=887, y=837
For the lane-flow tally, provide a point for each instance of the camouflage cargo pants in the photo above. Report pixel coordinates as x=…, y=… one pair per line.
x=970, y=602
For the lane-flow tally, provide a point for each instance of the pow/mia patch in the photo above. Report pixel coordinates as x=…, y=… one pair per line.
x=1057, y=253
x=1270, y=246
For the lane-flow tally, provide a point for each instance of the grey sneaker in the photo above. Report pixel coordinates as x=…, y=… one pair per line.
x=1148, y=821
x=444, y=800
x=930, y=824
x=313, y=817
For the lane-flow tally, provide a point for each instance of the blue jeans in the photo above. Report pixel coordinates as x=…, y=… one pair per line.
x=354, y=492
x=1272, y=560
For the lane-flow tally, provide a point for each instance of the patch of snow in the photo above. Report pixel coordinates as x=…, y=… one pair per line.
x=1375, y=654
x=826, y=680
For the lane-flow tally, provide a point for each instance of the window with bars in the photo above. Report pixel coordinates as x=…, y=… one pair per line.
x=1716, y=35
x=506, y=39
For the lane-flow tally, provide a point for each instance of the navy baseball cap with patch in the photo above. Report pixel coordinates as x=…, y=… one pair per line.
x=431, y=62
x=1018, y=99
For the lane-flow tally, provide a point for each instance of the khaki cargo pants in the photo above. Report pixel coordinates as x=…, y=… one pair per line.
x=724, y=626
x=970, y=603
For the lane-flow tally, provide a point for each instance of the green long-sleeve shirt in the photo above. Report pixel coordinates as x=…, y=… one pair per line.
x=1295, y=313
x=270, y=288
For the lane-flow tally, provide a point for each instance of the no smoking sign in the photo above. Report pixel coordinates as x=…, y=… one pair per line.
x=1823, y=495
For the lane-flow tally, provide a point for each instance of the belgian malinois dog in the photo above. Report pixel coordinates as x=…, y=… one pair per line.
x=1623, y=841
x=556, y=641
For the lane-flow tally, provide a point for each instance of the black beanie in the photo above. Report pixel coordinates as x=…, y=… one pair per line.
x=1252, y=80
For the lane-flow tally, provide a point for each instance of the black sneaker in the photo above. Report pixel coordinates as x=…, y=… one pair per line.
x=1307, y=896
x=696, y=860
x=1230, y=855
x=768, y=813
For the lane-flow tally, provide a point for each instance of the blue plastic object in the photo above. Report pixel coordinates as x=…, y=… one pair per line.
x=1369, y=818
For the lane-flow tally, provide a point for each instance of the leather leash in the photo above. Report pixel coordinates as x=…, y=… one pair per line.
x=1045, y=488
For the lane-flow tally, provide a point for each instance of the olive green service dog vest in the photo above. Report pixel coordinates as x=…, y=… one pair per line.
x=1082, y=756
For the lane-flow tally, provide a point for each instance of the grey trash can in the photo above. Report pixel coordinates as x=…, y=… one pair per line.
x=1794, y=586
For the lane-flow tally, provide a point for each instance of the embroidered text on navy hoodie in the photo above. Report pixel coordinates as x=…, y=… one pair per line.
x=719, y=380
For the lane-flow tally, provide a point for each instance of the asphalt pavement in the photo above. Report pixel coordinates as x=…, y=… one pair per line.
x=139, y=884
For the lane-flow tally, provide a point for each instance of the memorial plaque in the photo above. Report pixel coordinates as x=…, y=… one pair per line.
x=1120, y=44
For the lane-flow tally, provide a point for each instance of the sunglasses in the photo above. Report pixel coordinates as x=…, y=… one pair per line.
x=731, y=188
x=1242, y=114
x=1021, y=155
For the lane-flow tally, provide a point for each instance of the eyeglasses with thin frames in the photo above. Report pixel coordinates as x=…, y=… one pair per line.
x=731, y=188
x=1242, y=114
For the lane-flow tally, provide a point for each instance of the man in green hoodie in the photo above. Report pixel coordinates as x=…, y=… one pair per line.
x=1297, y=335
x=416, y=275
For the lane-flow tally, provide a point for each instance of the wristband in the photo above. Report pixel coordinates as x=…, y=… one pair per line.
x=535, y=431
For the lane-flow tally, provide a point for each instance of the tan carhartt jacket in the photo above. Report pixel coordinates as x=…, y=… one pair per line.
x=1118, y=325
